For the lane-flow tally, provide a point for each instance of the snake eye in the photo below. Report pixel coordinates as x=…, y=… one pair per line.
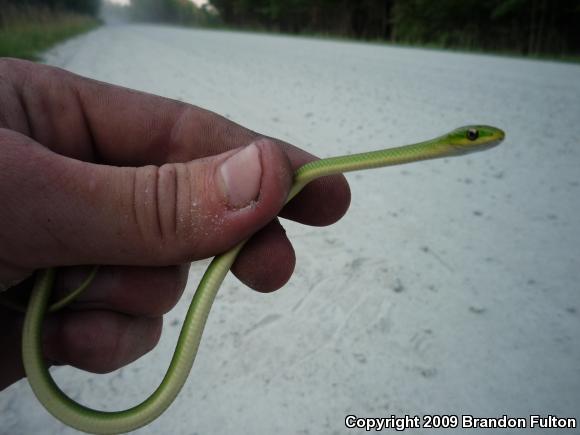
x=472, y=134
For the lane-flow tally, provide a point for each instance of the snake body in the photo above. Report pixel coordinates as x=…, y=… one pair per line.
x=460, y=141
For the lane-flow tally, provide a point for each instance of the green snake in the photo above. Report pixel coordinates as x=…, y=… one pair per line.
x=458, y=142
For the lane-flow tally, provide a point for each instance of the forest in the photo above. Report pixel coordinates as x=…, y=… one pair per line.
x=528, y=27
x=522, y=26
x=88, y=7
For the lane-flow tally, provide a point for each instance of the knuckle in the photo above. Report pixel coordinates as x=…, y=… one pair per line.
x=91, y=344
x=164, y=290
x=155, y=327
x=15, y=70
x=107, y=341
x=164, y=210
x=171, y=291
x=9, y=63
x=144, y=203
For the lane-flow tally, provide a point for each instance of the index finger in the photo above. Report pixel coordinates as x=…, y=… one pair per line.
x=96, y=121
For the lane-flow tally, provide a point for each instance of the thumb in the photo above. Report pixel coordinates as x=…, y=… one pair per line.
x=60, y=211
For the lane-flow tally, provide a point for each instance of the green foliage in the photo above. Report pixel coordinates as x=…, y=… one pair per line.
x=525, y=26
x=26, y=31
x=86, y=7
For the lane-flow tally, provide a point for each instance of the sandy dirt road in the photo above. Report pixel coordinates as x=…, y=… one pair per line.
x=451, y=287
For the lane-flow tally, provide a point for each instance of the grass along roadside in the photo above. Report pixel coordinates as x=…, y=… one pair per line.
x=26, y=32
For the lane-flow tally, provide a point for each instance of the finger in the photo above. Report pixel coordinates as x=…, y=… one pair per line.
x=138, y=291
x=268, y=250
x=99, y=341
x=266, y=265
x=70, y=212
x=96, y=341
x=11, y=369
x=91, y=120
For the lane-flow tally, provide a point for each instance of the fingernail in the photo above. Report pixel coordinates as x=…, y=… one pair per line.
x=241, y=175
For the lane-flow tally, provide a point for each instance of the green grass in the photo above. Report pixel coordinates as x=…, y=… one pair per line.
x=26, y=33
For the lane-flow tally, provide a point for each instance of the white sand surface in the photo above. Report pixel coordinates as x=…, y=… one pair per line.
x=451, y=287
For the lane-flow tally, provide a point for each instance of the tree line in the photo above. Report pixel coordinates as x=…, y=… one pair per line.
x=524, y=26
x=86, y=7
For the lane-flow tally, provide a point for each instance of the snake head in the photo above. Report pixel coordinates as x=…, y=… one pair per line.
x=472, y=138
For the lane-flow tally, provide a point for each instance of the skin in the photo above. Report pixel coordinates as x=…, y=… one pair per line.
x=60, y=210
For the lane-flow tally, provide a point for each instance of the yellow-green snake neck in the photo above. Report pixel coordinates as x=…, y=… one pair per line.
x=460, y=141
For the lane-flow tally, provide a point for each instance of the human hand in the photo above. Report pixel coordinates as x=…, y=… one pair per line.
x=92, y=173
